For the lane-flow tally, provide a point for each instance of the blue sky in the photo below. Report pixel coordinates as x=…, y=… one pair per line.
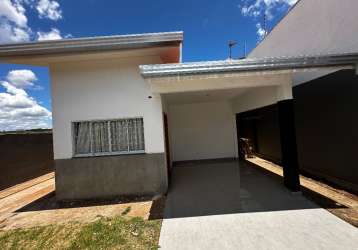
x=207, y=26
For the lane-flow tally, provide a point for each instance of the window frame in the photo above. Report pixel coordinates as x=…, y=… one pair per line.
x=109, y=138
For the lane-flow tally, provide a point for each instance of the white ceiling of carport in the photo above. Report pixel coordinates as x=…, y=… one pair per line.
x=203, y=96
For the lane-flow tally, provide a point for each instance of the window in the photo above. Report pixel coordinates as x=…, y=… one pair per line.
x=123, y=136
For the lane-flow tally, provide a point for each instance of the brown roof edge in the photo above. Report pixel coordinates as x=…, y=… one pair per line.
x=92, y=44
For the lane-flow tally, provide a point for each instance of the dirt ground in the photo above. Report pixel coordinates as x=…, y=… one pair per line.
x=33, y=204
x=337, y=201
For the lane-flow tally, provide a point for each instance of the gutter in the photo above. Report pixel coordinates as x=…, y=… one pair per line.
x=248, y=65
x=90, y=44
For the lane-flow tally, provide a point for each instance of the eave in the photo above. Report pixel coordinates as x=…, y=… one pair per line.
x=249, y=65
x=42, y=52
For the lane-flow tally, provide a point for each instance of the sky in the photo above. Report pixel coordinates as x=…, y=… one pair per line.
x=208, y=25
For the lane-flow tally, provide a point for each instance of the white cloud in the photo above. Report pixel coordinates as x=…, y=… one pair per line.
x=12, y=89
x=13, y=12
x=18, y=110
x=13, y=22
x=254, y=8
x=21, y=78
x=11, y=33
x=54, y=34
x=49, y=9
x=260, y=31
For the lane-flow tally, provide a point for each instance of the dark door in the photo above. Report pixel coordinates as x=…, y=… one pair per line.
x=247, y=129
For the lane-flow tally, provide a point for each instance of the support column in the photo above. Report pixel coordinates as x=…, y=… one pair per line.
x=238, y=129
x=288, y=144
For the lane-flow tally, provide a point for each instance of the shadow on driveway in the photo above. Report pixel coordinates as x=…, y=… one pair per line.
x=228, y=188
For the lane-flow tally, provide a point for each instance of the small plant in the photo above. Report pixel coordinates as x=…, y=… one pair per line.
x=126, y=211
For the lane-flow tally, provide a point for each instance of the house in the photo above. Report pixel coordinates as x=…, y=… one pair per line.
x=126, y=109
x=107, y=123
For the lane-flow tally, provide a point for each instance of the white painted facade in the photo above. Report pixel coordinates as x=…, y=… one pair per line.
x=103, y=89
x=201, y=112
x=202, y=131
x=201, y=126
x=261, y=96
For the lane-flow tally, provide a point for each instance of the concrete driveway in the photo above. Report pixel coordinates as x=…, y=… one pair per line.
x=229, y=205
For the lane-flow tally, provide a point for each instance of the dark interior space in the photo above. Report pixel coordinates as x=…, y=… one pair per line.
x=261, y=127
x=24, y=156
x=325, y=122
x=326, y=127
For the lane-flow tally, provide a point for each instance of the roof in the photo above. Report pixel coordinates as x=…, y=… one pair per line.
x=246, y=65
x=92, y=44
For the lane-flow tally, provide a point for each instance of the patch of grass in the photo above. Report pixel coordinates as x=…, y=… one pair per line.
x=105, y=233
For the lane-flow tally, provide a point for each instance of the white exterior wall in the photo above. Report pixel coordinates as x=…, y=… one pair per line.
x=107, y=89
x=202, y=131
x=313, y=27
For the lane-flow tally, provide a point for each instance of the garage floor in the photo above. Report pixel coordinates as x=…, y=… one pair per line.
x=236, y=206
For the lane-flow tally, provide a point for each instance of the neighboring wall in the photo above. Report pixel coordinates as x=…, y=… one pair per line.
x=202, y=131
x=24, y=156
x=105, y=89
x=313, y=27
x=326, y=127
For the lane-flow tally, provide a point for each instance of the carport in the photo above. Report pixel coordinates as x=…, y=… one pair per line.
x=202, y=103
x=215, y=201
